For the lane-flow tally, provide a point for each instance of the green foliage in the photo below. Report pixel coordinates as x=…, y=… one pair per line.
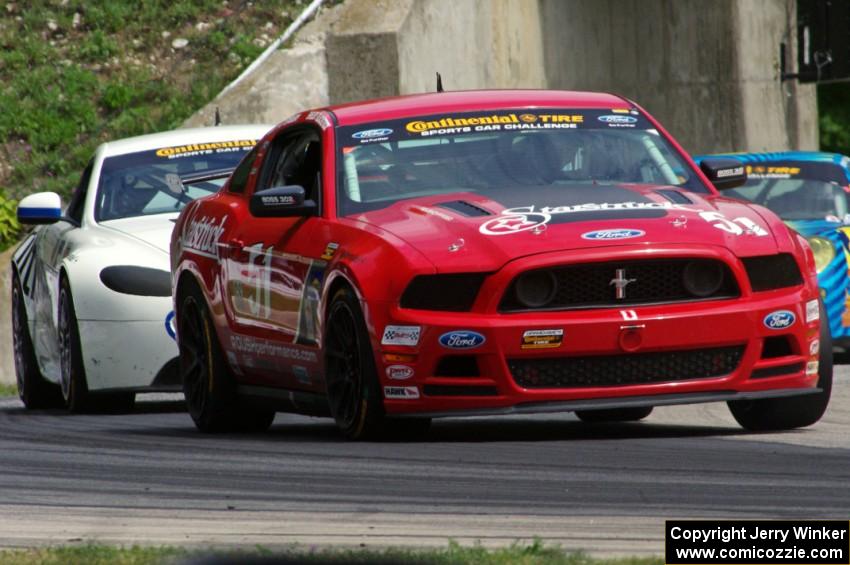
x=9, y=226
x=8, y=390
x=78, y=73
x=834, y=121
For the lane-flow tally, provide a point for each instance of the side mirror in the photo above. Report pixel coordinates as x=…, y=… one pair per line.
x=724, y=173
x=40, y=208
x=281, y=202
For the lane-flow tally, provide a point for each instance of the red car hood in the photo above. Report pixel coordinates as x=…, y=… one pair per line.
x=471, y=232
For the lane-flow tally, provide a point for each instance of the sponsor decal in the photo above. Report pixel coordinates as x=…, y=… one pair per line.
x=401, y=335
x=399, y=372
x=617, y=119
x=209, y=148
x=768, y=172
x=424, y=210
x=285, y=200
x=302, y=375
x=201, y=236
x=723, y=173
x=462, y=339
x=779, y=320
x=629, y=315
x=169, y=326
x=524, y=218
x=308, y=311
x=329, y=251
x=320, y=118
x=814, y=347
x=450, y=125
x=812, y=368
x=619, y=110
x=542, y=339
x=371, y=133
x=401, y=392
x=253, y=346
x=812, y=311
x=613, y=234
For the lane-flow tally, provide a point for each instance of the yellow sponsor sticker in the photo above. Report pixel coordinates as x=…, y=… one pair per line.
x=542, y=339
x=213, y=146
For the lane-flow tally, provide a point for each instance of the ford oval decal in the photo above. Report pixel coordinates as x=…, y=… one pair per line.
x=779, y=320
x=370, y=133
x=613, y=234
x=617, y=119
x=462, y=339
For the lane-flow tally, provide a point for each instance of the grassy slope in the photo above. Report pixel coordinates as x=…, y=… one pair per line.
x=75, y=73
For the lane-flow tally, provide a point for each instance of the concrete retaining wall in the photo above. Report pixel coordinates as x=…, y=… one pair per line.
x=708, y=70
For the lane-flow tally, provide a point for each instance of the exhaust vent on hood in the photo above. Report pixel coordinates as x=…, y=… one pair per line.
x=465, y=208
x=674, y=196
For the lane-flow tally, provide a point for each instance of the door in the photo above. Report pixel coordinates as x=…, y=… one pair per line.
x=272, y=282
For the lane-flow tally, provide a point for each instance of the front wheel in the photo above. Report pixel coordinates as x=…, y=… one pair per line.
x=352, y=384
x=772, y=414
x=72, y=376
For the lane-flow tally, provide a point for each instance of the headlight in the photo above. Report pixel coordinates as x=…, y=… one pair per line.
x=535, y=289
x=703, y=278
x=823, y=251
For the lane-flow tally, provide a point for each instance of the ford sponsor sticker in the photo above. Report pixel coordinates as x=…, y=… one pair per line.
x=401, y=335
x=612, y=234
x=401, y=392
x=462, y=339
x=399, y=372
x=617, y=119
x=779, y=320
x=370, y=133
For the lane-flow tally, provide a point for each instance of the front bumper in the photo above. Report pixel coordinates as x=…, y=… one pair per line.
x=772, y=362
x=129, y=355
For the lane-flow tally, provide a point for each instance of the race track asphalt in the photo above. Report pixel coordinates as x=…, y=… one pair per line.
x=149, y=477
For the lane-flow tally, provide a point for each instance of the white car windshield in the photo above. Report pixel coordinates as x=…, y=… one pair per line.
x=540, y=153
x=152, y=182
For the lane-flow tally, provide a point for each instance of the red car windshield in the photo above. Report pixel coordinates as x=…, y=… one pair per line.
x=797, y=190
x=542, y=153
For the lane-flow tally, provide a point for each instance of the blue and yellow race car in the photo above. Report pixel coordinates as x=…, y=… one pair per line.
x=809, y=190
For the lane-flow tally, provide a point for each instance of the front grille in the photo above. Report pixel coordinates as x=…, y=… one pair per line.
x=620, y=370
x=591, y=285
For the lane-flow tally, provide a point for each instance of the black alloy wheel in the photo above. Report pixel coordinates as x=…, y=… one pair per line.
x=208, y=386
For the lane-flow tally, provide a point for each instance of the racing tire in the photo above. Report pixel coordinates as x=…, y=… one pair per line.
x=774, y=414
x=353, y=390
x=72, y=373
x=614, y=414
x=33, y=389
x=208, y=385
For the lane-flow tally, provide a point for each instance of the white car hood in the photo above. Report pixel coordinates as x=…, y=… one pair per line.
x=153, y=230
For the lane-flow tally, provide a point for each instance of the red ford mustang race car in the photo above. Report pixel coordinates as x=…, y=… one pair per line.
x=501, y=252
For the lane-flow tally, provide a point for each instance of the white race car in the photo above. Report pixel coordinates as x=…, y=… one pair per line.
x=91, y=287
